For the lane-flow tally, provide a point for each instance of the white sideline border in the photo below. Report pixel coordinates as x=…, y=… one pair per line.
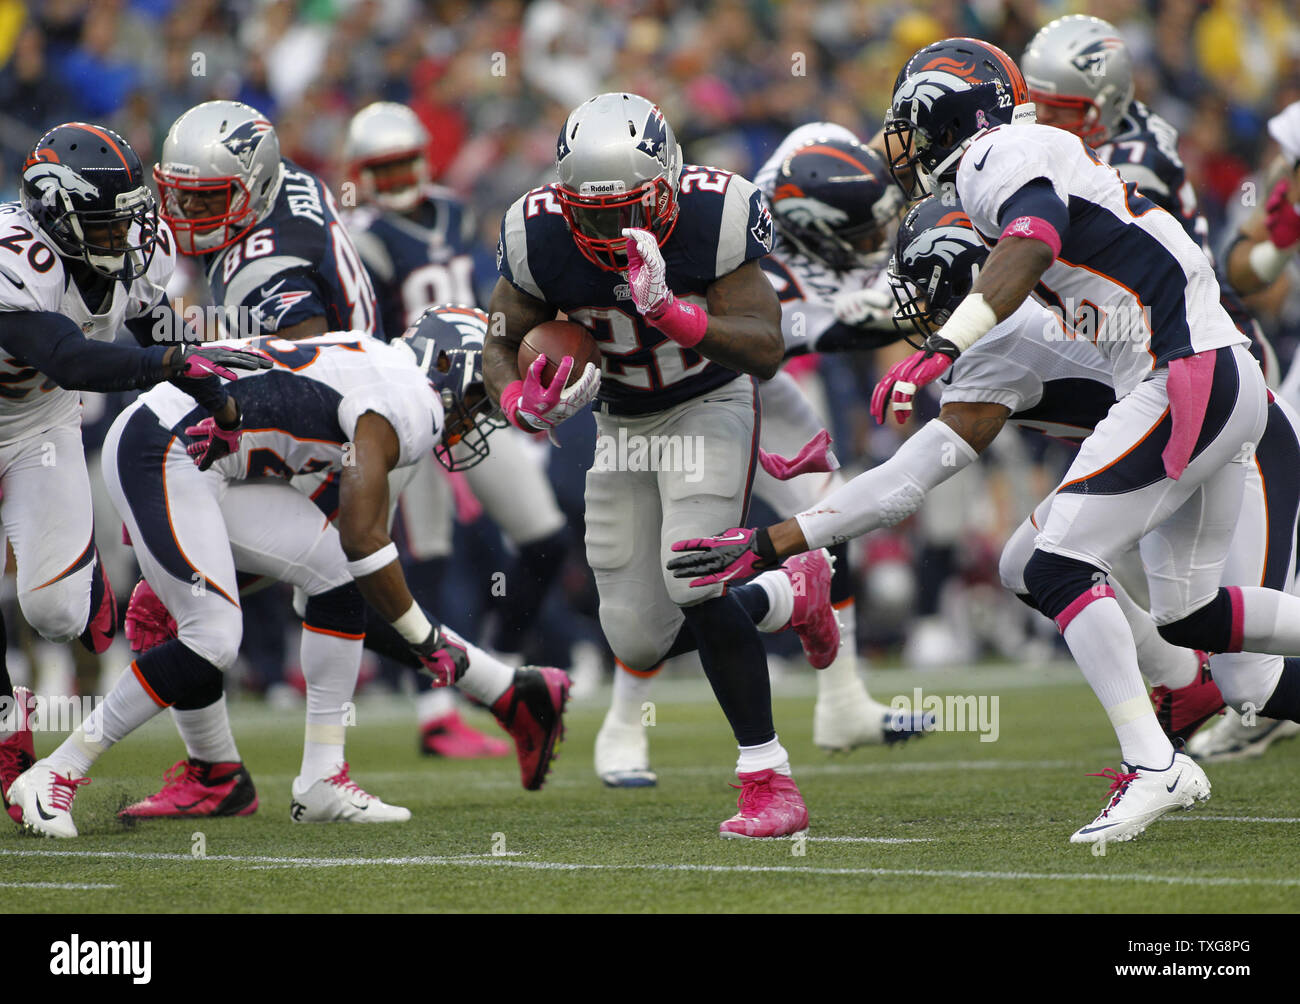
x=491, y=861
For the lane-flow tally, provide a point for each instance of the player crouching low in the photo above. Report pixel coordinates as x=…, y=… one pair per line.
x=323, y=395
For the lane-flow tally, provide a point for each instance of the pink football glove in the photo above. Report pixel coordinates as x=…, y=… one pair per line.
x=442, y=657
x=903, y=380
x=815, y=458
x=147, y=621
x=1283, y=221
x=684, y=323
x=198, y=361
x=732, y=554
x=543, y=406
x=211, y=442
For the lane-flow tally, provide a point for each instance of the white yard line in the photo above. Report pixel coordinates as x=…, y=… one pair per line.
x=491, y=861
x=1197, y=818
x=55, y=885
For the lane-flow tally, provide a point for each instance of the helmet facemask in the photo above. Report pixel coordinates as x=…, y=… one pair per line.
x=117, y=243
x=206, y=214
x=469, y=416
x=597, y=220
x=393, y=181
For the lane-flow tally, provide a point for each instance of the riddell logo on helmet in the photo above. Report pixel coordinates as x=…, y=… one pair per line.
x=602, y=188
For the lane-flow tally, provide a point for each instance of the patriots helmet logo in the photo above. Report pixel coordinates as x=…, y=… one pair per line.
x=654, y=137
x=1092, y=59
x=50, y=178
x=243, y=140
x=762, y=228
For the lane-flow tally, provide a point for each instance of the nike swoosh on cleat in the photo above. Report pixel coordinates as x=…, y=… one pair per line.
x=1095, y=829
x=40, y=810
x=1171, y=787
x=187, y=808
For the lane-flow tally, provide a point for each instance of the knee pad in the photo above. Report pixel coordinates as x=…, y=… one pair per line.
x=1215, y=627
x=339, y=611
x=1060, y=587
x=60, y=611
x=630, y=640
x=173, y=673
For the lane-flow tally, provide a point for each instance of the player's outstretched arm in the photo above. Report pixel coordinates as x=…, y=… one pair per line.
x=744, y=331
x=372, y=555
x=512, y=313
x=882, y=496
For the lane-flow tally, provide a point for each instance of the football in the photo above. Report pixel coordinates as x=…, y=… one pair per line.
x=555, y=340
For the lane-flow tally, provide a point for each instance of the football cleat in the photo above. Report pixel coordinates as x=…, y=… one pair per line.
x=45, y=798
x=449, y=736
x=1233, y=739
x=532, y=711
x=17, y=753
x=196, y=787
x=813, y=619
x=770, y=806
x=1184, y=710
x=1140, y=795
x=339, y=799
x=102, y=626
x=623, y=754
x=849, y=718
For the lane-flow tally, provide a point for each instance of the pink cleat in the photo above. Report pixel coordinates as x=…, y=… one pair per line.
x=17, y=753
x=1181, y=712
x=770, y=806
x=532, y=711
x=449, y=736
x=199, y=788
x=102, y=626
x=813, y=619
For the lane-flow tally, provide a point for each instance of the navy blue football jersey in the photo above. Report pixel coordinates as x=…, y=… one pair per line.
x=296, y=264
x=721, y=224
x=416, y=259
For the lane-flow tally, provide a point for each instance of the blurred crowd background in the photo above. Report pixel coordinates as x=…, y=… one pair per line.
x=493, y=81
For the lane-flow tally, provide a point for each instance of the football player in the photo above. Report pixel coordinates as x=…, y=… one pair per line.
x=659, y=261
x=81, y=255
x=1065, y=229
x=1080, y=79
x=345, y=402
x=415, y=239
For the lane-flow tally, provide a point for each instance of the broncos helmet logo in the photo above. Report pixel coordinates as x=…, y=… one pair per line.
x=946, y=243
x=50, y=178
x=804, y=212
x=244, y=140
x=923, y=89
x=654, y=137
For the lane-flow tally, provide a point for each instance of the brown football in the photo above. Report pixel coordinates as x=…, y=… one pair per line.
x=555, y=340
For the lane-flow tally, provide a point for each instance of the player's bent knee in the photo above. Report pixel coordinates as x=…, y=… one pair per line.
x=216, y=641
x=1061, y=586
x=681, y=593
x=57, y=614
x=632, y=644
x=1214, y=627
x=341, y=611
x=1015, y=555
x=174, y=673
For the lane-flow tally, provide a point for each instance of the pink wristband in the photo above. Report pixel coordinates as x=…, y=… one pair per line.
x=684, y=323
x=1036, y=229
x=510, y=405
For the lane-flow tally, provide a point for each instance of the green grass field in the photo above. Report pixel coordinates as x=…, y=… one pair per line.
x=945, y=824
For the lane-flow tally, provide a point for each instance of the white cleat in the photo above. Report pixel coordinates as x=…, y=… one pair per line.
x=623, y=755
x=1233, y=739
x=339, y=799
x=846, y=719
x=45, y=797
x=1141, y=795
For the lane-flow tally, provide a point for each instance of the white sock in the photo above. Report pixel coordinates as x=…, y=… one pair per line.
x=330, y=664
x=1270, y=621
x=436, y=703
x=842, y=673
x=124, y=708
x=206, y=733
x=770, y=755
x=1102, y=644
x=1163, y=664
x=780, y=601
x=630, y=693
x=487, y=677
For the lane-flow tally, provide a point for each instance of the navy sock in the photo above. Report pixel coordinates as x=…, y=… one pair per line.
x=842, y=585
x=753, y=600
x=528, y=582
x=6, y=684
x=736, y=665
x=1284, y=702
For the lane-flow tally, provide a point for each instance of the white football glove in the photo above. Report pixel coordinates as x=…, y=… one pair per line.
x=645, y=269
x=864, y=308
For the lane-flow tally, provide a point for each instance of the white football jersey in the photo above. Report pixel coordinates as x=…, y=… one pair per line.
x=1055, y=384
x=33, y=278
x=1128, y=278
x=300, y=416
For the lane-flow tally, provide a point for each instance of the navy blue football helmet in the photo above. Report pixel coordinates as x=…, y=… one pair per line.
x=937, y=257
x=944, y=97
x=447, y=340
x=84, y=186
x=831, y=197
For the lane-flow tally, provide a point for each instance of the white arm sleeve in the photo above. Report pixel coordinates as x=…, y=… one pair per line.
x=889, y=493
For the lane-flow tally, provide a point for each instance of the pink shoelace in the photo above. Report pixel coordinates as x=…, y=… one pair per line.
x=177, y=773
x=62, y=790
x=1119, y=783
x=342, y=780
